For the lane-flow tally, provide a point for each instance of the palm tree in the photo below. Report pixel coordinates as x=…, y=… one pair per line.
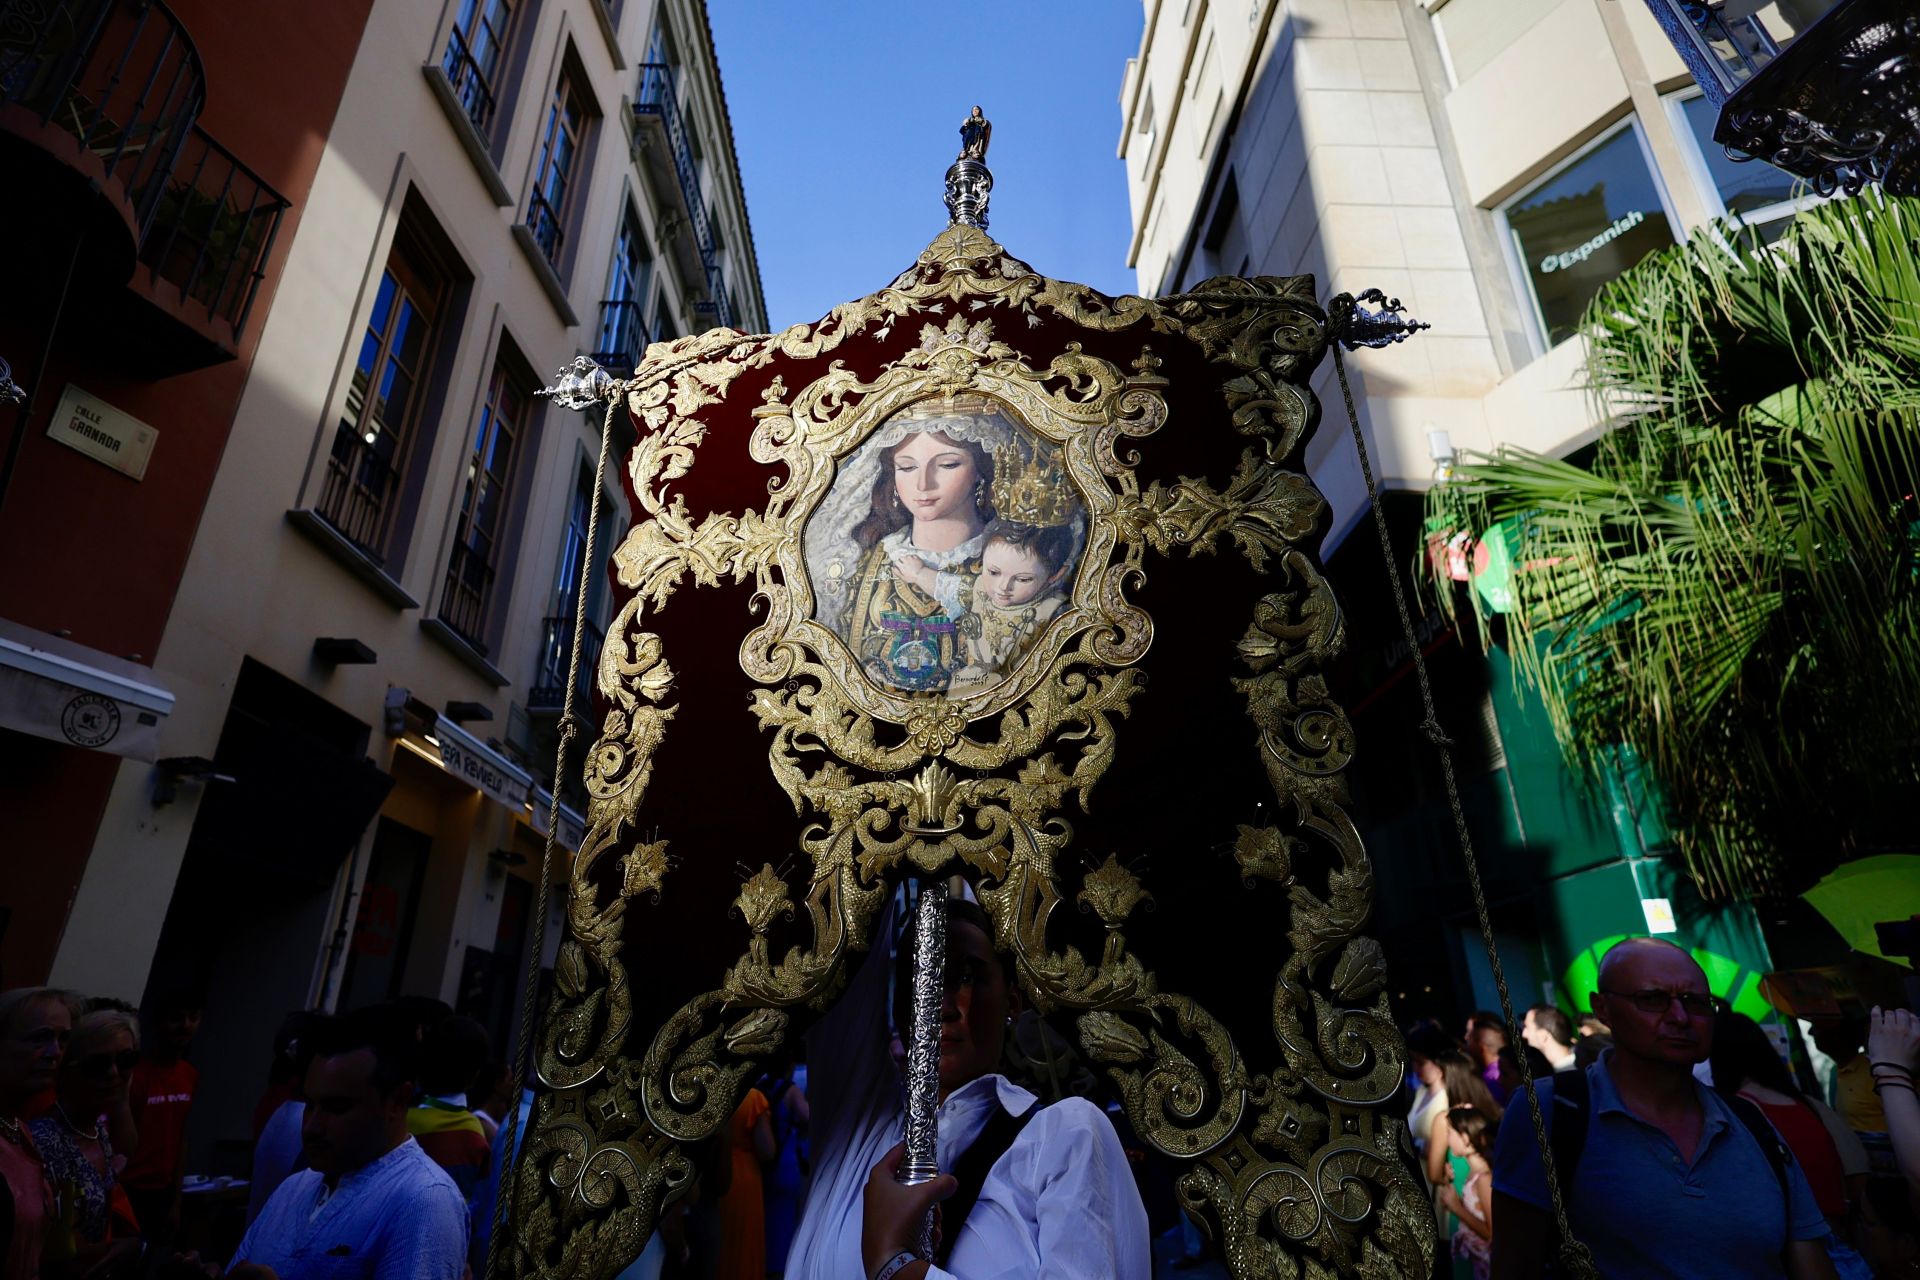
x=1728, y=589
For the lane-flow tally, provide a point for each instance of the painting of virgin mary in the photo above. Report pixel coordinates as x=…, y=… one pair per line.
x=895, y=548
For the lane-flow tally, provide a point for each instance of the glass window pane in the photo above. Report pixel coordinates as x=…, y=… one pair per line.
x=1583, y=227
x=383, y=303
x=1744, y=185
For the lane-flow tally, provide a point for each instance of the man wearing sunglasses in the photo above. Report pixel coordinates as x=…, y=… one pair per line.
x=1668, y=1180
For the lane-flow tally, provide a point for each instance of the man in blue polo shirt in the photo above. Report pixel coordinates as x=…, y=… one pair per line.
x=1669, y=1182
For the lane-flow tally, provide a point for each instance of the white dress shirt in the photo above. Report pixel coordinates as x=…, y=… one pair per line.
x=399, y=1218
x=1060, y=1204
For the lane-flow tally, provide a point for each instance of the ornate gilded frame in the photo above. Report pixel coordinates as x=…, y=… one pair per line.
x=1294, y=1165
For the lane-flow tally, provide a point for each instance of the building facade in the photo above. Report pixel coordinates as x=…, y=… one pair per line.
x=368, y=653
x=151, y=213
x=1492, y=163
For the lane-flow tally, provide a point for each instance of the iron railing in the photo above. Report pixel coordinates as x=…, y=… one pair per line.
x=212, y=229
x=469, y=82
x=623, y=336
x=657, y=98
x=121, y=76
x=463, y=599
x=359, y=488
x=544, y=222
x=549, y=691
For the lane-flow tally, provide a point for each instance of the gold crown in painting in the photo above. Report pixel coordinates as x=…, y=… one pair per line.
x=955, y=406
x=1032, y=493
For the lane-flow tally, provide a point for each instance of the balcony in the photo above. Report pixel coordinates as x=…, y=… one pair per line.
x=463, y=598
x=469, y=83
x=622, y=338
x=548, y=696
x=99, y=109
x=663, y=147
x=358, y=492
x=213, y=227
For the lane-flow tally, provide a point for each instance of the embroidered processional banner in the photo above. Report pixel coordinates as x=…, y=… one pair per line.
x=894, y=589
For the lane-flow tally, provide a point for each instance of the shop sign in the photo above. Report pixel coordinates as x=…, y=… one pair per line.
x=468, y=759
x=572, y=829
x=102, y=432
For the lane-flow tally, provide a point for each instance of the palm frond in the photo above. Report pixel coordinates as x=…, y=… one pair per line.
x=1728, y=589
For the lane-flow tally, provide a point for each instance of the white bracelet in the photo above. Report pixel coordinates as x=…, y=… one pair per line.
x=895, y=1265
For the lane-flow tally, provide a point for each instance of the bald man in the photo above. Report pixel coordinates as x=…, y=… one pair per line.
x=1670, y=1182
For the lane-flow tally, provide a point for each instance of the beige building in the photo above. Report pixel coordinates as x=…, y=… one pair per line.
x=368, y=650
x=1490, y=162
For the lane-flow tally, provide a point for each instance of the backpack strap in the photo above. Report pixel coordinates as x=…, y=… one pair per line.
x=1772, y=1145
x=971, y=1172
x=1567, y=1134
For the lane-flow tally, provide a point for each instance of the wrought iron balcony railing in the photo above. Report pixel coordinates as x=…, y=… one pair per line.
x=544, y=222
x=469, y=81
x=121, y=76
x=212, y=229
x=463, y=599
x=358, y=491
x=623, y=336
x=549, y=691
x=657, y=98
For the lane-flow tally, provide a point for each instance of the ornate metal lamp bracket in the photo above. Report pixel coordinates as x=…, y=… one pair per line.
x=1353, y=326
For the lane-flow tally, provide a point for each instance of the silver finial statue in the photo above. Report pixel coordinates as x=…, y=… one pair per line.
x=579, y=385
x=921, y=1163
x=969, y=181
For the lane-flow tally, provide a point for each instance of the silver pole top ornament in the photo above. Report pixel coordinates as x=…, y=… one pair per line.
x=579, y=385
x=969, y=181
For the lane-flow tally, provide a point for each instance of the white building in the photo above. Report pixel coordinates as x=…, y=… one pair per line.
x=369, y=647
x=1490, y=162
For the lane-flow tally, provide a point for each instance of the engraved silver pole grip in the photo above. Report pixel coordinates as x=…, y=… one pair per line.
x=921, y=1162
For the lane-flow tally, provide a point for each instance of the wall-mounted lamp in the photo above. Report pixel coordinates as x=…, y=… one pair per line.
x=403, y=711
x=1440, y=449
x=178, y=771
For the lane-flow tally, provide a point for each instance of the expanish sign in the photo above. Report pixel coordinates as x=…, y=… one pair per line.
x=1574, y=257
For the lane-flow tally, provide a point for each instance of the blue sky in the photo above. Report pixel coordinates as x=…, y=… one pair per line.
x=846, y=116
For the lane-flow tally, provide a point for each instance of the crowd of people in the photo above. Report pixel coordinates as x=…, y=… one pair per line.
x=1682, y=1142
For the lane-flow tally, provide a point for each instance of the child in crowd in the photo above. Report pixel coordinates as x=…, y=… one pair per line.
x=1471, y=1134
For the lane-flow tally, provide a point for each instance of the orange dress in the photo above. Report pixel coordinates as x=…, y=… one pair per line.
x=743, y=1210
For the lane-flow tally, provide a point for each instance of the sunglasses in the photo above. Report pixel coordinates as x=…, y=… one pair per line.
x=1698, y=1004
x=99, y=1064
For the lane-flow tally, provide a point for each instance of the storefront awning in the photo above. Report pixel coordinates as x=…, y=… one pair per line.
x=573, y=828
x=481, y=767
x=65, y=692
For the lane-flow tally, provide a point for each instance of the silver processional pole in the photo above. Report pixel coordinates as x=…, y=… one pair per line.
x=921, y=1163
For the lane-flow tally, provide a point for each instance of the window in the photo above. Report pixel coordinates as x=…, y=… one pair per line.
x=558, y=157
x=1576, y=231
x=549, y=689
x=483, y=506
x=1752, y=190
x=476, y=55
x=623, y=329
x=384, y=398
